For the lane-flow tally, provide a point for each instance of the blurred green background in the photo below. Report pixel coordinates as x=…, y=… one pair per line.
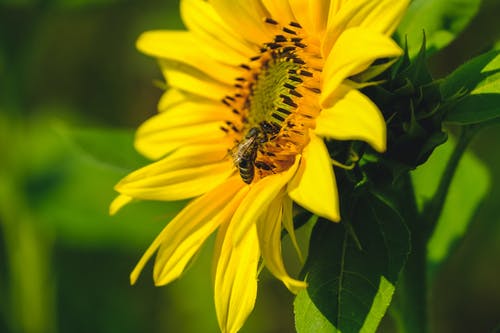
x=72, y=89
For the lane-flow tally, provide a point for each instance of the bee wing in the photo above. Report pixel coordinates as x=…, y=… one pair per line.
x=239, y=152
x=233, y=152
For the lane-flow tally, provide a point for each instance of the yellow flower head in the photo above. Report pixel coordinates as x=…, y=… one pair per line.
x=254, y=87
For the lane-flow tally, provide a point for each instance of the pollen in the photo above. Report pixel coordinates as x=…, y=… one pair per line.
x=276, y=100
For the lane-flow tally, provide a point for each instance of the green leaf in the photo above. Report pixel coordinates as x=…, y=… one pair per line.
x=307, y=316
x=476, y=88
x=77, y=209
x=442, y=21
x=352, y=269
x=113, y=148
x=67, y=191
x=70, y=192
x=467, y=190
x=480, y=73
x=476, y=109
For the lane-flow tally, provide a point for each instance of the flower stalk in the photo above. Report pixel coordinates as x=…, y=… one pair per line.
x=410, y=308
x=433, y=209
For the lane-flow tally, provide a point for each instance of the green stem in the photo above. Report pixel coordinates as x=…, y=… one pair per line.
x=28, y=254
x=434, y=208
x=410, y=307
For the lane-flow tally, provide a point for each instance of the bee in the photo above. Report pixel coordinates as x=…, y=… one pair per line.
x=246, y=151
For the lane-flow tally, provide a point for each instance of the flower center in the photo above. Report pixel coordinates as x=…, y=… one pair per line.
x=269, y=90
x=276, y=101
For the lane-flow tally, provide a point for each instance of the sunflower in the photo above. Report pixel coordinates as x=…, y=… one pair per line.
x=254, y=89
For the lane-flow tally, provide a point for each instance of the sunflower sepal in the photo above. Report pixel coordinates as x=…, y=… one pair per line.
x=413, y=107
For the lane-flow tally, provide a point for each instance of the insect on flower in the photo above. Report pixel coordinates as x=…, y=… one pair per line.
x=245, y=153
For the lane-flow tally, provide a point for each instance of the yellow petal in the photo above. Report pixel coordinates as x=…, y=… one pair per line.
x=314, y=15
x=341, y=91
x=184, y=123
x=319, y=10
x=279, y=10
x=188, y=112
x=386, y=16
x=158, y=144
x=288, y=224
x=217, y=38
x=245, y=18
x=355, y=50
x=218, y=246
x=187, y=172
x=269, y=232
x=172, y=97
x=335, y=6
x=117, y=204
x=236, y=279
x=355, y=117
x=314, y=186
x=193, y=80
x=376, y=15
x=185, y=236
x=194, y=217
x=259, y=198
x=183, y=47
x=301, y=11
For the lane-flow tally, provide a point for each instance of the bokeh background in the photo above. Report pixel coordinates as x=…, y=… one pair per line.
x=72, y=88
